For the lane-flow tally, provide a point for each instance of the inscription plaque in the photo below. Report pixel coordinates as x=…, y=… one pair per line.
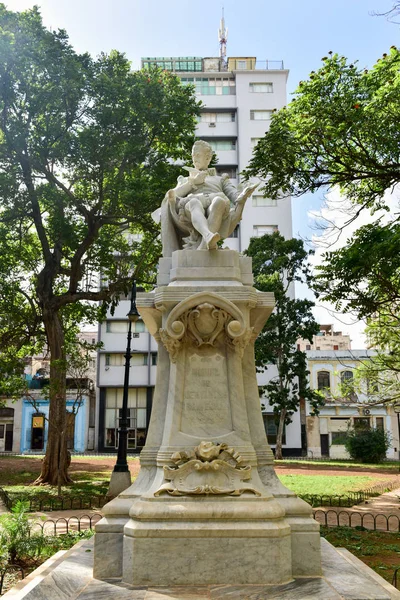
x=206, y=407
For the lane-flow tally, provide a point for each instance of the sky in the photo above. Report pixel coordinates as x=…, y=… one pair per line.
x=299, y=32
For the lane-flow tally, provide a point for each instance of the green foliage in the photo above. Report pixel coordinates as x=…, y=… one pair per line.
x=367, y=445
x=340, y=129
x=363, y=278
x=15, y=535
x=277, y=264
x=87, y=150
x=21, y=544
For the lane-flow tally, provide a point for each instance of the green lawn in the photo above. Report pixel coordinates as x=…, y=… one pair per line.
x=330, y=485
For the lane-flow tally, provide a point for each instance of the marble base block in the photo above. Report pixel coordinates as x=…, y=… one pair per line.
x=207, y=507
x=222, y=560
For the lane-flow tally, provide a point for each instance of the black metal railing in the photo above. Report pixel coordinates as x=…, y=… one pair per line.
x=52, y=527
x=355, y=519
x=5, y=498
x=52, y=503
x=394, y=578
x=10, y=569
x=63, y=525
x=351, y=498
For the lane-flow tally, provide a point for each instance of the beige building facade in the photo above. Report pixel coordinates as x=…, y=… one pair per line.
x=332, y=373
x=326, y=339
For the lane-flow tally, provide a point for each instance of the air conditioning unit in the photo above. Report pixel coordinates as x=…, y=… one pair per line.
x=366, y=411
x=212, y=124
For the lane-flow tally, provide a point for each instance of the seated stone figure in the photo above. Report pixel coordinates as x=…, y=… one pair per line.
x=203, y=208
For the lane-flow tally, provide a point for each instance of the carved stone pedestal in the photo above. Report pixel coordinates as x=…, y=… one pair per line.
x=207, y=507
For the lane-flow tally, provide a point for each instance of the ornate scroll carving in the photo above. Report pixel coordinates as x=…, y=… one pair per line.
x=201, y=319
x=208, y=469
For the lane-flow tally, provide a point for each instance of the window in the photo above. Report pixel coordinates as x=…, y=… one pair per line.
x=362, y=423
x=222, y=117
x=379, y=423
x=261, y=87
x=323, y=380
x=346, y=377
x=181, y=63
x=230, y=171
x=335, y=347
x=154, y=359
x=137, y=416
x=260, y=115
x=222, y=145
x=308, y=347
x=254, y=142
x=271, y=429
x=211, y=86
x=339, y=438
x=235, y=232
x=2, y=430
x=260, y=230
x=122, y=326
x=241, y=64
x=118, y=360
x=259, y=200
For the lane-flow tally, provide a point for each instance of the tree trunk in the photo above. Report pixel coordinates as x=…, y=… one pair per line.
x=57, y=459
x=279, y=435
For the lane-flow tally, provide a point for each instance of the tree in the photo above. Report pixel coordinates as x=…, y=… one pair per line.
x=363, y=278
x=367, y=445
x=341, y=129
x=277, y=264
x=86, y=151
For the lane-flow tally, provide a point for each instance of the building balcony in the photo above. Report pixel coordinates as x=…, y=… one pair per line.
x=215, y=101
x=217, y=130
x=110, y=376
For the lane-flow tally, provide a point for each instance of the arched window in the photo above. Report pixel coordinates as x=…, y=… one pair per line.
x=324, y=380
x=347, y=377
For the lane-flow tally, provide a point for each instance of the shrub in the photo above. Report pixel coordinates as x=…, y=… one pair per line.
x=367, y=445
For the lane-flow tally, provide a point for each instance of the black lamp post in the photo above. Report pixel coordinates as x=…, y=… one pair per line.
x=396, y=408
x=121, y=465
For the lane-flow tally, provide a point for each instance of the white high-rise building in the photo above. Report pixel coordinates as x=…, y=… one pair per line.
x=239, y=95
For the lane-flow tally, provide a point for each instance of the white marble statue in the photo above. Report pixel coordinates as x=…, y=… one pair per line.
x=203, y=208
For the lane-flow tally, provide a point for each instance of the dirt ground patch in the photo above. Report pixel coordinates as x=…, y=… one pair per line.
x=106, y=463
x=97, y=464
x=315, y=469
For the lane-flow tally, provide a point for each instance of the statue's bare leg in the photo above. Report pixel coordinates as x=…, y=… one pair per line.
x=200, y=223
x=218, y=210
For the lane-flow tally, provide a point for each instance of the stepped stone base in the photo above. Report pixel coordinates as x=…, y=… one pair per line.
x=344, y=577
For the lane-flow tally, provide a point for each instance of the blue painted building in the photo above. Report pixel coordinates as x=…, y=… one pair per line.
x=34, y=425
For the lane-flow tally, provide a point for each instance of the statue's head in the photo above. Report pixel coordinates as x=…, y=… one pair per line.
x=201, y=154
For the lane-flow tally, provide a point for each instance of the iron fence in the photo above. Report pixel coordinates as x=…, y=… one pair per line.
x=63, y=525
x=52, y=503
x=10, y=569
x=52, y=527
x=355, y=519
x=351, y=498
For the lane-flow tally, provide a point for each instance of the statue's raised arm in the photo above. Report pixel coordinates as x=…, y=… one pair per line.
x=203, y=208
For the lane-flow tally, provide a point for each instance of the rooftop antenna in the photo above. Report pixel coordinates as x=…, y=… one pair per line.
x=223, y=36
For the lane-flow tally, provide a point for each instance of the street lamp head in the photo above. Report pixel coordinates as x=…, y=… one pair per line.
x=133, y=314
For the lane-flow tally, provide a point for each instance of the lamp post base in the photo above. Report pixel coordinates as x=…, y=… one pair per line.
x=120, y=481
